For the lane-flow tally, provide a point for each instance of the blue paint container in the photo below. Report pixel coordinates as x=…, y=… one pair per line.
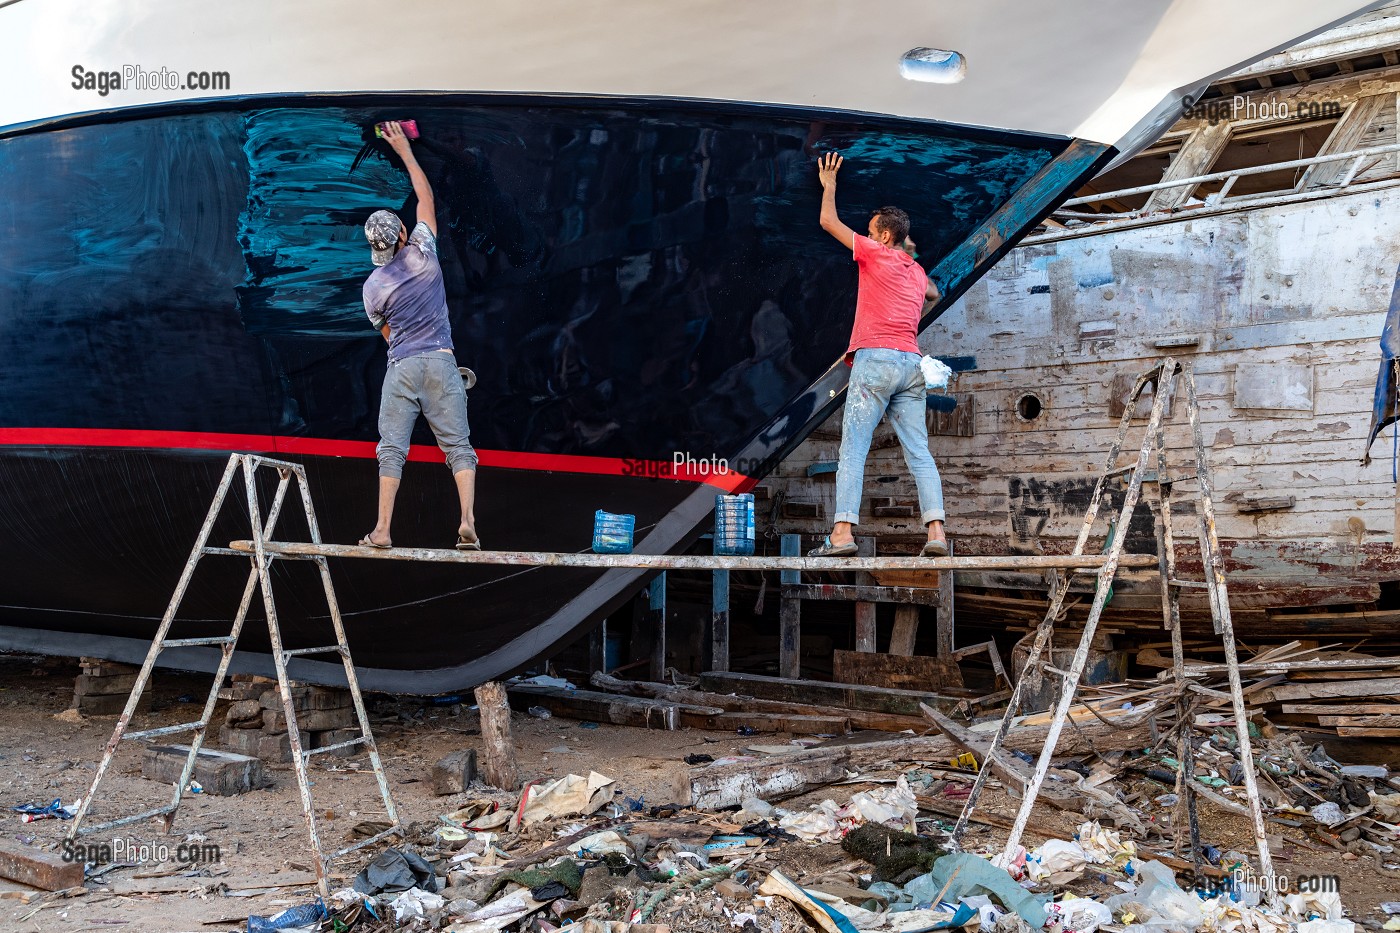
x=612, y=534
x=734, y=533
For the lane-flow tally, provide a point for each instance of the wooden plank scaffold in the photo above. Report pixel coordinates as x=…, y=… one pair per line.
x=1152, y=453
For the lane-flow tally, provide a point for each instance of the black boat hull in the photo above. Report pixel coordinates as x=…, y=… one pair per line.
x=631, y=282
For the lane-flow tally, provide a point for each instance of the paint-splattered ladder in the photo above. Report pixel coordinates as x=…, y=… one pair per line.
x=259, y=578
x=1163, y=377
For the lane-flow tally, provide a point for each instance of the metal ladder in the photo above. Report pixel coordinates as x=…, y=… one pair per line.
x=1164, y=376
x=259, y=578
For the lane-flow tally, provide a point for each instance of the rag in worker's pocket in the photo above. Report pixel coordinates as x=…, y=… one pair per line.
x=936, y=374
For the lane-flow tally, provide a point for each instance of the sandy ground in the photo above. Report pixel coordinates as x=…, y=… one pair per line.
x=263, y=833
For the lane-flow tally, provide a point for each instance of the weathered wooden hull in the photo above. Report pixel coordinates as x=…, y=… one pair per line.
x=1278, y=311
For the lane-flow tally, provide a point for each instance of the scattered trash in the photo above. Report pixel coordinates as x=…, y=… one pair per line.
x=571, y=795
x=1370, y=771
x=290, y=919
x=33, y=812
x=539, y=712
x=1328, y=814
x=417, y=904
x=395, y=870
x=544, y=680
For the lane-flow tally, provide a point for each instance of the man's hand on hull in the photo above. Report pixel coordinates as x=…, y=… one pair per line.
x=827, y=167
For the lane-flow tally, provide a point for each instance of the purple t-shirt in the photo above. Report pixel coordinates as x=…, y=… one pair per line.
x=408, y=294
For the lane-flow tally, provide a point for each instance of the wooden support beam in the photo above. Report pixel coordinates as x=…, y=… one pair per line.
x=824, y=693
x=905, y=632
x=497, y=748
x=598, y=648
x=865, y=611
x=733, y=703
x=841, y=592
x=944, y=621
x=1195, y=157
x=1345, y=136
x=37, y=868
x=656, y=622
x=719, y=620
x=790, y=615
x=909, y=672
x=595, y=706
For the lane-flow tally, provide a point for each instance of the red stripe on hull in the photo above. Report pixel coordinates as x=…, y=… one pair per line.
x=729, y=481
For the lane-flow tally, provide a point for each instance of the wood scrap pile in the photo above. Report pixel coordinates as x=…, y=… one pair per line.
x=1315, y=688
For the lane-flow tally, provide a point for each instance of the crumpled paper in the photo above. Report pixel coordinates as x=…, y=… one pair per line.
x=1223, y=915
x=1055, y=856
x=1105, y=846
x=819, y=824
x=415, y=904
x=570, y=795
x=1387, y=806
x=607, y=842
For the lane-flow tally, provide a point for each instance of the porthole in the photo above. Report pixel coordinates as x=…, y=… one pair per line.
x=1029, y=407
x=934, y=66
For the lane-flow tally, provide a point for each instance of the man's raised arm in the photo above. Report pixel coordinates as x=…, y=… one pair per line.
x=393, y=133
x=827, y=167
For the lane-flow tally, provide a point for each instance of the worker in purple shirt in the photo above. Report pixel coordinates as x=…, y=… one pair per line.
x=406, y=301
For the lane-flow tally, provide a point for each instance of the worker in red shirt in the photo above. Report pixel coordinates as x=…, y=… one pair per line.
x=884, y=358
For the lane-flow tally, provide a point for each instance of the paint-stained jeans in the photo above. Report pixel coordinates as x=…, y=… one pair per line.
x=886, y=381
x=431, y=385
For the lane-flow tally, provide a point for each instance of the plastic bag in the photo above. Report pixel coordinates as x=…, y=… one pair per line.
x=895, y=805
x=1080, y=914
x=1166, y=908
x=396, y=871
x=415, y=903
x=289, y=919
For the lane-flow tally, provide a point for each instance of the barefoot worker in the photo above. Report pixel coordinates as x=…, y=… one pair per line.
x=884, y=358
x=405, y=300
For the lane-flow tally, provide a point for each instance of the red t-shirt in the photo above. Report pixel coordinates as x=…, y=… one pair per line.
x=889, y=300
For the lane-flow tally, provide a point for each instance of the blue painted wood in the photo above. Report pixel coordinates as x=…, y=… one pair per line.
x=719, y=620
x=656, y=621
x=825, y=466
x=791, y=547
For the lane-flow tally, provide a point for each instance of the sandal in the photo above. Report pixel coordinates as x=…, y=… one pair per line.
x=467, y=544
x=935, y=549
x=827, y=549
x=366, y=542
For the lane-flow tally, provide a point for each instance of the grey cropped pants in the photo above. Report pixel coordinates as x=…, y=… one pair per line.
x=428, y=384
